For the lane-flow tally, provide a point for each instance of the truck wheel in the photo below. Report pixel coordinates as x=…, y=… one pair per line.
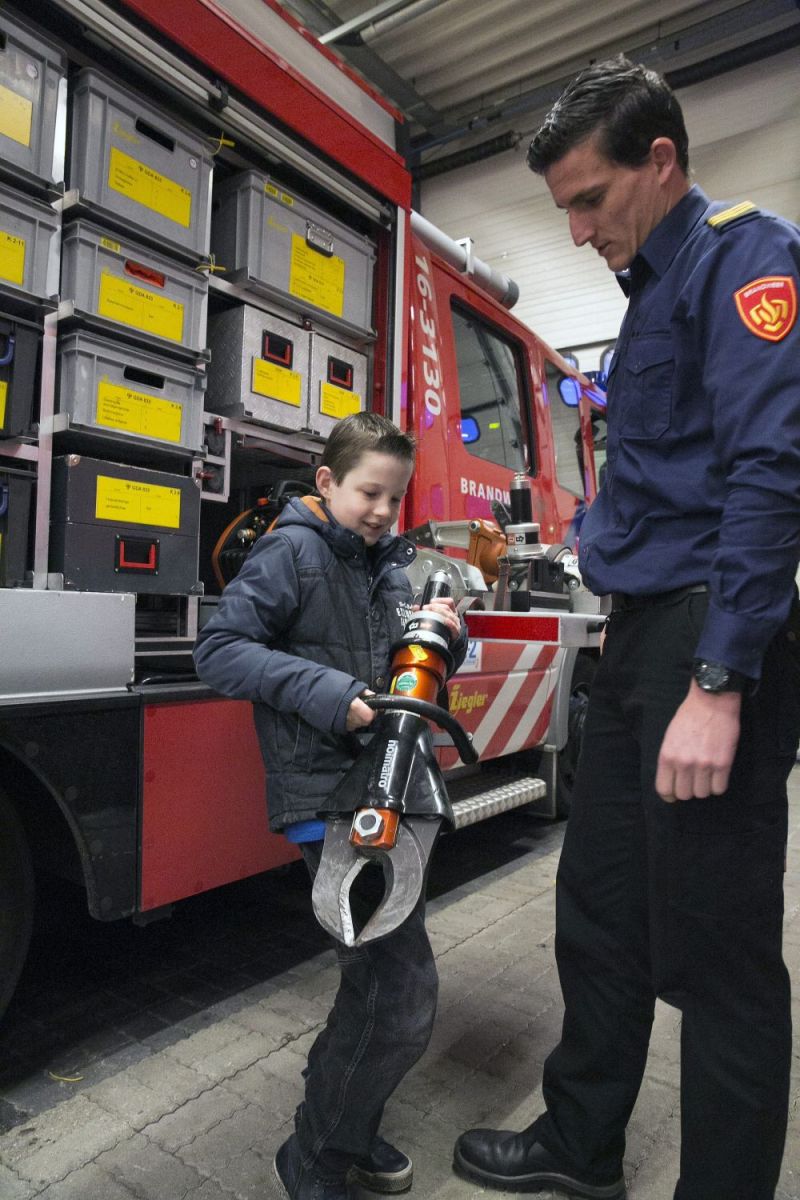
x=582, y=676
x=17, y=891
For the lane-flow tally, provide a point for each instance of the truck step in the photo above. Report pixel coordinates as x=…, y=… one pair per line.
x=490, y=793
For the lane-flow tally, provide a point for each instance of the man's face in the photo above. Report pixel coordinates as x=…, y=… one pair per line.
x=612, y=207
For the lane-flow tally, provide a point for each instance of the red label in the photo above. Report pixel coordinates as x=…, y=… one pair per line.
x=768, y=306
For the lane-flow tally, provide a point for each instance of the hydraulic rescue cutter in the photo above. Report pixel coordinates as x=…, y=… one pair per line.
x=392, y=803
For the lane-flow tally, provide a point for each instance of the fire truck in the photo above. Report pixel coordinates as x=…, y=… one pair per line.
x=208, y=256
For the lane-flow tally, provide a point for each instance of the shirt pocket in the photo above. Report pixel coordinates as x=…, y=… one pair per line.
x=647, y=383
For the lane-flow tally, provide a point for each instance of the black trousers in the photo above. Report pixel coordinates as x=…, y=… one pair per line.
x=679, y=901
x=379, y=1026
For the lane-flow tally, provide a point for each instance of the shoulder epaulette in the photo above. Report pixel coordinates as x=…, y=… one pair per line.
x=729, y=215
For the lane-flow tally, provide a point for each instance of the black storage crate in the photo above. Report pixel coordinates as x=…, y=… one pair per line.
x=16, y=493
x=20, y=355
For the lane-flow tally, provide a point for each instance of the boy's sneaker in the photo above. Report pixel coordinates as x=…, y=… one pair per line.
x=385, y=1169
x=295, y=1183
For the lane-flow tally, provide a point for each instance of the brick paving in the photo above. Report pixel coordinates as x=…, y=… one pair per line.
x=164, y=1063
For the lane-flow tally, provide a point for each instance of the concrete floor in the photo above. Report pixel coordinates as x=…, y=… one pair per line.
x=165, y=1064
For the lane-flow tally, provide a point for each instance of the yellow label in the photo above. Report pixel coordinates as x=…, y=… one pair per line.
x=317, y=278
x=3, y=395
x=132, y=304
x=12, y=258
x=286, y=199
x=109, y=245
x=16, y=114
x=271, y=190
x=144, y=185
x=337, y=402
x=120, y=407
x=131, y=503
x=276, y=382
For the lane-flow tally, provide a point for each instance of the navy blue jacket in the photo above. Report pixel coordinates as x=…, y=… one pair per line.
x=304, y=628
x=703, y=476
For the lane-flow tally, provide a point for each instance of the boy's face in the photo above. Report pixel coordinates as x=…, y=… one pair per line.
x=368, y=498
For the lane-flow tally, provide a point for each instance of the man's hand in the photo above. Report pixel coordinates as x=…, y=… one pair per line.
x=360, y=714
x=444, y=606
x=699, y=746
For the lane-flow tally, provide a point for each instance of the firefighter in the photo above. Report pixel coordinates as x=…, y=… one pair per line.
x=671, y=875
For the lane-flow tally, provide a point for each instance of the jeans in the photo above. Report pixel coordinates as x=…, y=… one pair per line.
x=379, y=1026
x=679, y=901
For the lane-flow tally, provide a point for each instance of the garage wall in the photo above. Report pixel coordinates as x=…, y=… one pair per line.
x=744, y=131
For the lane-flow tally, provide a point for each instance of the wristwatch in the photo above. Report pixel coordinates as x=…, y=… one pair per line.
x=714, y=677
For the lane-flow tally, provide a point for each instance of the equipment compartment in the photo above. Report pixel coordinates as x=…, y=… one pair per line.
x=29, y=240
x=259, y=368
x=20, y=354
x=32, y=89
x=129, y=285
x=124, y=529
x=337, y=383
x=278, y=244
x=16, y=488
x=138, y=165
x=107, y=386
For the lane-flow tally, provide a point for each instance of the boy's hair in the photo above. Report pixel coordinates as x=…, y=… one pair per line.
x=359, y=433
x=626, y=104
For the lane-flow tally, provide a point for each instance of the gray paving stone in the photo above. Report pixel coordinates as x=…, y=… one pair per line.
x=225, y=1060
x=14, y=1188
x=149, y=1172
x=194, y=1118
x=62, y=1140
x=88, y=1183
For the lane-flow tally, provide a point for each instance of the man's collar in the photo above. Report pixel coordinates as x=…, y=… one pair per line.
x=666, y=239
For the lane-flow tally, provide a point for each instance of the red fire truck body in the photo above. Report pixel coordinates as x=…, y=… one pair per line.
x=117, y=767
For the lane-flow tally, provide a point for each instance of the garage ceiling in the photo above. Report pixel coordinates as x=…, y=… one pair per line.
x=473, y=76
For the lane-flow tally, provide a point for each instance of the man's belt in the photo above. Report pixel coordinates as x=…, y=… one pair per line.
x=623, y=602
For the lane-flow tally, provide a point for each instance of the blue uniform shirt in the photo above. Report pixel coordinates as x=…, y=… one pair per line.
x=703, y=472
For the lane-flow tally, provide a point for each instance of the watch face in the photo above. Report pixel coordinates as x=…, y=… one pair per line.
x=712, y=677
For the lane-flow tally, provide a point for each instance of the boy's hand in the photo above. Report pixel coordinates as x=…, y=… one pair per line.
x=359, y=714
x=446, y=608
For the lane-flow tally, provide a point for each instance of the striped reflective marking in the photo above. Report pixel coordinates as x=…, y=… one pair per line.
x=518, y=719
x=528, y=661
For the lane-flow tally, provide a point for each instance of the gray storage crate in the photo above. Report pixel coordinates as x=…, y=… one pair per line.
x=259, y=368
x=109, y=387
x=123, y=282
x=123, y=529
x=136, y=164
x=33, y=103
x=280, y=245
x=337, y=383
x=29, y=241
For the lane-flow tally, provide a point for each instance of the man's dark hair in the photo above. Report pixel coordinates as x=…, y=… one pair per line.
x=625, y=104
x=360, y=433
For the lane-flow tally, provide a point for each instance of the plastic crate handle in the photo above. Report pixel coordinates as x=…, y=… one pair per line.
x=8, y=357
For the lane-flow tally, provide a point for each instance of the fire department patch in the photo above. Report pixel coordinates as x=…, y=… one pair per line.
x=768, y=306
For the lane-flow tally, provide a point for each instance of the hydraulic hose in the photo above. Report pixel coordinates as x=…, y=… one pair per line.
x=432, y=712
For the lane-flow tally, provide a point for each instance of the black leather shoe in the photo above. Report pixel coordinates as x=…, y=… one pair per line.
x=385, y=1169
x=296, y=1183
x=511, y=1162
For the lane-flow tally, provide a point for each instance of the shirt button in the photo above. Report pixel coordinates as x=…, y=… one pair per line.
x=380, y=682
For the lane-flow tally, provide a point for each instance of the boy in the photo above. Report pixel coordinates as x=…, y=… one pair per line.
x=304, y=631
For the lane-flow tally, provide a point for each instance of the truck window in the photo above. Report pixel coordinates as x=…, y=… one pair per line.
x=566, y=423
x=489, y=386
